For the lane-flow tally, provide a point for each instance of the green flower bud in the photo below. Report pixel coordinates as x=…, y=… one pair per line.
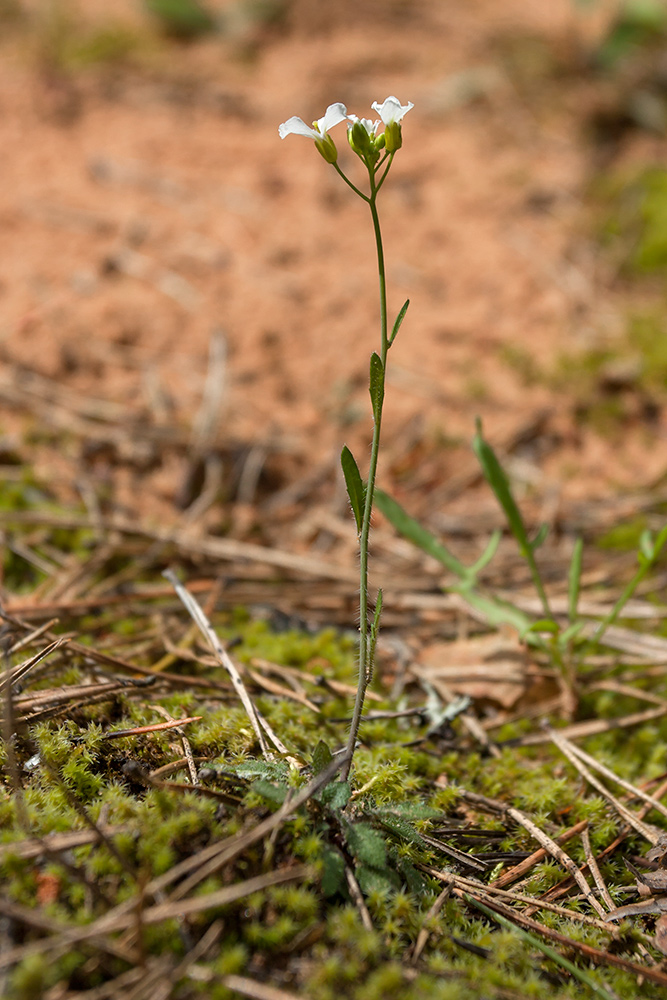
x=393, y=137
x=327, y=147
x=359, y=139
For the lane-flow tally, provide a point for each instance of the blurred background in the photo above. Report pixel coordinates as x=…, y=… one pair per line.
x=188, y=304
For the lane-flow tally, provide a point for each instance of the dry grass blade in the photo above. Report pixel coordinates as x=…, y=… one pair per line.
x=491, y=892
x=560, y=960
x=279, y=689
x=18, y=673
x=552, y=848
x=569, y=751
x=595, y=955
x=595, y=871
x=126, y=920
x=35, y=847
x=635, y=792
x=30, y=917
x=221, y=897
x=215, y=548
x=358, y=899
x=518, y=871
x=187, y=749
x=45, y=704
x=208, y=632
x=32, y=636
x=157, y=727
x=564, y=887
x=578, y=730
x=211, y=859
x=258, y=722
x=424, y=931
x=258, y=991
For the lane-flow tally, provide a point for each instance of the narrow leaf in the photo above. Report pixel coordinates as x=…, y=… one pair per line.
x=495, y=611
x=574, y=580
x=570, y=633
x=497, y=480
x=356, y=490
x=495, y=476
x=540, y=537
x=377, y=385
x=543, y=625
x=487, y=555
x=647, y=546
x=418, y=535
x=398, y=321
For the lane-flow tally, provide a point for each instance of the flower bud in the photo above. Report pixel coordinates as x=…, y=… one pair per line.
x=393, y=137
x=359, y=139
x=327, y=147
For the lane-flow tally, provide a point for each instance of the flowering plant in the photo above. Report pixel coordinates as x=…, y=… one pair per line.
x=376, y=149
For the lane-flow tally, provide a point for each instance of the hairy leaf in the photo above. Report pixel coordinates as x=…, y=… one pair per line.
x=374, y=879
x=366, y=844
x=336, y=795
x=333, y=871
x=377, y=385
x=356, y=490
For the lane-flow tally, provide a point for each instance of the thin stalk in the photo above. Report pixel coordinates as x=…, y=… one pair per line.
x=382, y=179
x=350, y=184
x=647, y=564
x=365, y=664
x=537, y=581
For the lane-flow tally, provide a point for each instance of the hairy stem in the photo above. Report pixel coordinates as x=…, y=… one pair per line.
x=365, y=650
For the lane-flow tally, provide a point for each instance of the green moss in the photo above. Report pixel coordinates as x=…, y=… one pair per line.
x=374, y=825
x=624, y=537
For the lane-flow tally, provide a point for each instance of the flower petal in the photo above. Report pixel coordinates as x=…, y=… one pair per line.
x=391, y=110
x=334, y=114
x=370, y=126
x=296, y=126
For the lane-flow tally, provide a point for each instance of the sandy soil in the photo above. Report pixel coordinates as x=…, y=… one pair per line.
x=151, y=215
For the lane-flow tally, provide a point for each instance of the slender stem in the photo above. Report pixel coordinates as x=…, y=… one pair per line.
x=350, y=184
x=382, y=179
x=365, y=664
x=537, y=581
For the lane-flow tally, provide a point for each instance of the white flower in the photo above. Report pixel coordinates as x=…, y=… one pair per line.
x=334, y=114
x=371, y=127
x=391, y=110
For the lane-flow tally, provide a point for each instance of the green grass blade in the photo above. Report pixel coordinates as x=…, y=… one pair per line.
x=546, y=949
x=499, y=483
x=417, y=534
x=498, y=612
x=645, y=565
x=487, y=555
x=497, y=480
x=574, y=580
